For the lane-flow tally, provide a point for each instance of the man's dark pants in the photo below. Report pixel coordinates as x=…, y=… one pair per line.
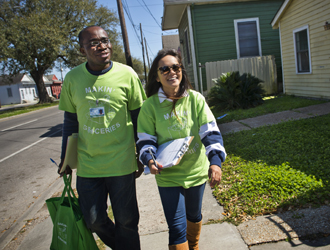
x=93, y=195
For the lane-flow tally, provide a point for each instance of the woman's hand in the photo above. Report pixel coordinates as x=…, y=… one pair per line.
x=153, y=169
x=215, y=174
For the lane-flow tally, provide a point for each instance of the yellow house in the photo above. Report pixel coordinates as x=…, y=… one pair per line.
x=304, y=27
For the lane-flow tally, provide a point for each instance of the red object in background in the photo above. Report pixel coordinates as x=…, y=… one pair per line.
x=56, y=87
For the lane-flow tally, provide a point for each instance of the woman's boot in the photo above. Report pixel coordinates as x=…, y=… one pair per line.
x=193, y=233
x=182, y=246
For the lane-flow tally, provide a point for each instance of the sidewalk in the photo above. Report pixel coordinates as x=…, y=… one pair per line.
x=6, y=107
x=266, y=232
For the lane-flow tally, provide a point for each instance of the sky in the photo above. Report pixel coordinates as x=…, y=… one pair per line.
x=147, y=12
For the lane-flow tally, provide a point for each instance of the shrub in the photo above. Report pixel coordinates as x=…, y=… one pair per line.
x=232, y=91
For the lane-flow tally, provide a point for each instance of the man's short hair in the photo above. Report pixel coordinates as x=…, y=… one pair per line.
x=81, y=34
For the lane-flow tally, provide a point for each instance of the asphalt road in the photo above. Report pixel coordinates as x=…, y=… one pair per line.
x=27, y=143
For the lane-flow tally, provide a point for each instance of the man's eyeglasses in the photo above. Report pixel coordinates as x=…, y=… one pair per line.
x=167, y=69
x=95, y=43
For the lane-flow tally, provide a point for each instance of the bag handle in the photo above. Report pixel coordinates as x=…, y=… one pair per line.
x=68, y=189
x=67, y=182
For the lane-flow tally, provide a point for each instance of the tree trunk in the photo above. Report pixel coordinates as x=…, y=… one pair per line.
x=42, y=92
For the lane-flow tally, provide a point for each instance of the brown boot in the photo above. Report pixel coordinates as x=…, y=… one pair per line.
x=182, y=246
x=193, y=233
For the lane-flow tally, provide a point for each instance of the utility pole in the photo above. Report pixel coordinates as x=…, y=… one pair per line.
x=144, y=63
x=145, y=42
x=124, y=34
x=61, y=71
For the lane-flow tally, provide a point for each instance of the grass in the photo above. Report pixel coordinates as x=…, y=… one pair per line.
x=26, y=109
x=276, y=168
x=272, y=104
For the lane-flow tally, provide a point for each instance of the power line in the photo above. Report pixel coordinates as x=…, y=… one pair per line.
x=151, y=14
x=147, y=45
x=125, y=6
x=135, y=6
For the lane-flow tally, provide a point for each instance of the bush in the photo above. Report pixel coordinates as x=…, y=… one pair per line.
x=232, y=91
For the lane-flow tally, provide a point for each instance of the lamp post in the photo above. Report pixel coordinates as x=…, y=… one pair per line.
x=61, y=71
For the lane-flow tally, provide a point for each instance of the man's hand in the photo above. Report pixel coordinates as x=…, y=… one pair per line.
x=215, y=175
x=67, y=170
x=140, y=169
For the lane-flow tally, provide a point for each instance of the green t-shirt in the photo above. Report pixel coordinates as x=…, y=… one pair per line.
x=156, y=119
x=106, y=144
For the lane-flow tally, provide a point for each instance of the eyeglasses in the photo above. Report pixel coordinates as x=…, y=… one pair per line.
x=167, y=69
x=95, y=43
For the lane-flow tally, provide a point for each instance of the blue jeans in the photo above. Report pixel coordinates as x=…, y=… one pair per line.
x=93, y=195
x=180, y=205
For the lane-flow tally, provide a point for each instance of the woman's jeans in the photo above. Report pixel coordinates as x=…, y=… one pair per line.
x=180, y=205
x=93, y=195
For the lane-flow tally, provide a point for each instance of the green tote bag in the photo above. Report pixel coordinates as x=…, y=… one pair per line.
x=69, y=229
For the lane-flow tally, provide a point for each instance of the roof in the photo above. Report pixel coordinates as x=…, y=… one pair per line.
x=174, y=10
x=280, y=13
x=52, y=77
x=7, y=80
x=23, y=78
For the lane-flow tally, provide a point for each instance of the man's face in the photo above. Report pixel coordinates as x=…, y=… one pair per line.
x=98, y=56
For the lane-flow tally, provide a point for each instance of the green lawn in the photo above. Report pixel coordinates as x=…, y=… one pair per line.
x=272, y=104
x=276, y=168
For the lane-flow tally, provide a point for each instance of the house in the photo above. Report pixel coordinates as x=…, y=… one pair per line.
x=20, y=89
x=214, y=30
x=171, y=42
x=56, y=85
x=305, y=46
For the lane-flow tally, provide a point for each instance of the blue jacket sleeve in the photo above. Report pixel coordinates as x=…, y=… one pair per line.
x=70, y=126
x=134, y=116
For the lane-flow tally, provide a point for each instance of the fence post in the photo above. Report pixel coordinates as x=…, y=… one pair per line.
x=200, y=77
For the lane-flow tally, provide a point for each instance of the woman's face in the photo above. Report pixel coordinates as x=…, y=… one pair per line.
x=170, y=74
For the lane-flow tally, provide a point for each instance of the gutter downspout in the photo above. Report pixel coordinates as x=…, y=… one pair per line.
x=192, y=43
x=279, y=31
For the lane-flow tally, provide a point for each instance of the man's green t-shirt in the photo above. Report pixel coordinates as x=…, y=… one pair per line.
x=106, y=144
x=157, y=119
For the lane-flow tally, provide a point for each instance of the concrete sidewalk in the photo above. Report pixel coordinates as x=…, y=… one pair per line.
x=12, y=106
x=266, y=232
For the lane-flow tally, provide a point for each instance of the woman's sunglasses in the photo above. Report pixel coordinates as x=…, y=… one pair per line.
x=166, y=69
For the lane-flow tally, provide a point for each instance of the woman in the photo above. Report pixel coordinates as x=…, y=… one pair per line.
x=173, y=110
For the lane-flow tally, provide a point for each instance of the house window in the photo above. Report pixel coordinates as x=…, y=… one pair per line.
x=34, y=93
x=247, y=34
x=9, y=92
x=302, y=51
x=186, y=40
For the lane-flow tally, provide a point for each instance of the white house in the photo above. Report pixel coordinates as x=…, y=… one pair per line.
x=20, y=89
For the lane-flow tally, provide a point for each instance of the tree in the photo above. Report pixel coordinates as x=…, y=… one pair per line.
x=138, y=67
x=35, y=33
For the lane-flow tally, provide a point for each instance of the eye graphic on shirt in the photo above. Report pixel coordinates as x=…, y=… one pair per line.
x=178, y=128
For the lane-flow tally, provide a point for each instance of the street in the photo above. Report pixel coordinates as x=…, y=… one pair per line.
x=27, y=143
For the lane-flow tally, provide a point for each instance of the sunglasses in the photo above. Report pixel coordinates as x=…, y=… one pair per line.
x=167, y=69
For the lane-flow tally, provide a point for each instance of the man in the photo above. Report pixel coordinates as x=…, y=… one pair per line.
x=101, y=100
